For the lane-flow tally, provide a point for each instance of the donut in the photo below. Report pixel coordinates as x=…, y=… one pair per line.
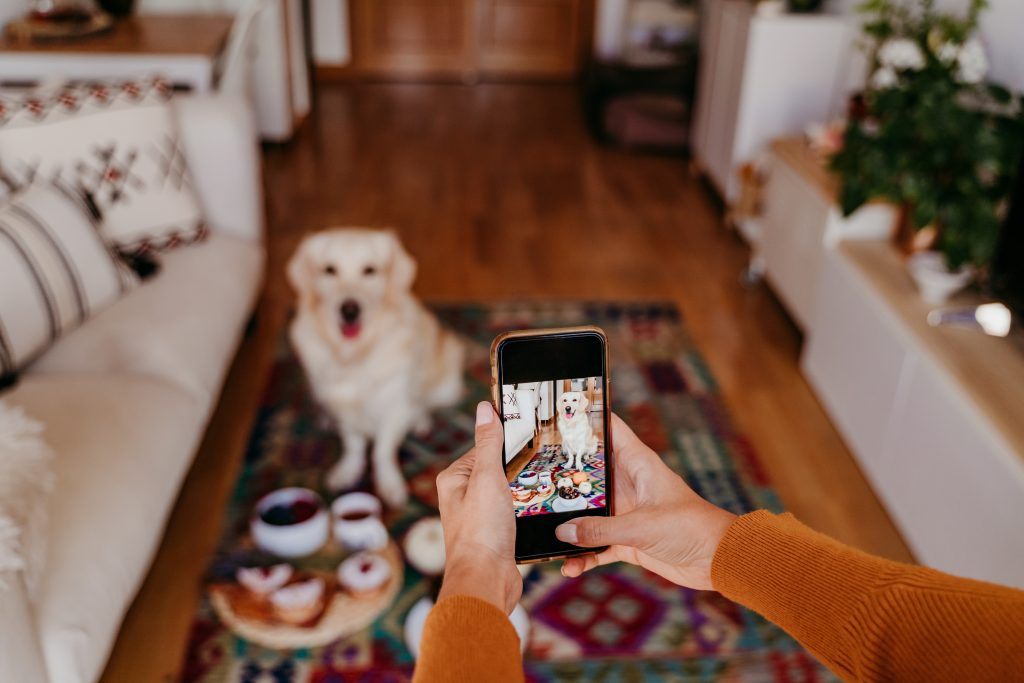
x=299, y=602
x=263, y=581
x=585, y=488
x=364, y=572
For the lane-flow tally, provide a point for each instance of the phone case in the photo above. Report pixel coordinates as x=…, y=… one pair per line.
x=495, y=397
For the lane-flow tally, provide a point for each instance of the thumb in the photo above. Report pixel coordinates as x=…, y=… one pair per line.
x=592, y=532
x=489, y=433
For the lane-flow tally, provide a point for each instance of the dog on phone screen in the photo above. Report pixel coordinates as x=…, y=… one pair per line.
x=579, y=442
x=377, y=360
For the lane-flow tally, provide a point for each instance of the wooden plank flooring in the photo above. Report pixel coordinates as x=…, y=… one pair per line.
x=500, y=194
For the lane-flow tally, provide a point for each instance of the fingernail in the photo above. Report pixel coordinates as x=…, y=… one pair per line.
x=566, y=532
x=484, y=413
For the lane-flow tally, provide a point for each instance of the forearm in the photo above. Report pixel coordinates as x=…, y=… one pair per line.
x=468, y=639
x=865, y=617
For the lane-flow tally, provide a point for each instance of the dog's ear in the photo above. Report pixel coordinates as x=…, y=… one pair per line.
x=402, y=270
x=300, y=269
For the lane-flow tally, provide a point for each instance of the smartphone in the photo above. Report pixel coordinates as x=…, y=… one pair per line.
x=551, y=390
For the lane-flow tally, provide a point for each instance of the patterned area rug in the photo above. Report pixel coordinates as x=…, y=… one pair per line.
x=549, y=458
x=615, y=623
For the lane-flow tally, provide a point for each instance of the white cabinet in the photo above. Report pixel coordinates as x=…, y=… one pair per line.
x=928, y=413
x=762, y=78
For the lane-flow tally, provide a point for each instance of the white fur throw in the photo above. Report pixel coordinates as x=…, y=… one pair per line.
x=25, y=482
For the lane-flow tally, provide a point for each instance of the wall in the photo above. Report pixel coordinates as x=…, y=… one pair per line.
x=1000, y=30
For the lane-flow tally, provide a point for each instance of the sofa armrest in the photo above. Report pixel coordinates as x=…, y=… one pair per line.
x=21, y=658
x=218, y=135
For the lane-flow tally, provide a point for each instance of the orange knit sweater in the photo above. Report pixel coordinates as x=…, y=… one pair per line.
x=866, y=618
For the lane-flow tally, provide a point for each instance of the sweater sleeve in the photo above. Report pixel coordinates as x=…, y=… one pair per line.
x=468, y=639
x=866, y=618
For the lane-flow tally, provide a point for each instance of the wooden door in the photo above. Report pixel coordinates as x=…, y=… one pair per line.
x=533, y=38
x=466, y=39
x=414, y=38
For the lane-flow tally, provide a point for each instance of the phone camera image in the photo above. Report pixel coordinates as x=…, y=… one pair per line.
x=554, y=445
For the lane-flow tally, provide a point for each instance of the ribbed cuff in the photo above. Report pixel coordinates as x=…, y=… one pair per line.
x=468, y=639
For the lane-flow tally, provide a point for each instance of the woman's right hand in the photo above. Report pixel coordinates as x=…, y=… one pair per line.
x=660, y=523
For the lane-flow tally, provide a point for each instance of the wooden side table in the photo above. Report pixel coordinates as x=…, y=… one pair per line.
x=184, y=48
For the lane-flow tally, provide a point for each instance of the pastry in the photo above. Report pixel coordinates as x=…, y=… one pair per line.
x=564, y=482
x=300, y=602
x=585, y=488
x=424, y=546
x=568, y=493
x=263, y=581
x=579, y=477
x=521, y=494
x=364, y=573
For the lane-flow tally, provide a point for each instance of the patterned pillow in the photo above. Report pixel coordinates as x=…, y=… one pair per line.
x=55, y=271
x=118, y=144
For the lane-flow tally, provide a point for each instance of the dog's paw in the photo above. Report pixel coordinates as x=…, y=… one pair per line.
x=422, y=427
x=346, y=473
x=392, y=490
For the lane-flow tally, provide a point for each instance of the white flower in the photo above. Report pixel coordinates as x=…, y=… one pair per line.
x=884, y=78
x=901, y=54
x=948, y=53
x=972, y=63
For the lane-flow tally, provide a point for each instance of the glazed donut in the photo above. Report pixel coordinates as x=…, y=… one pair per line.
x=364, y=572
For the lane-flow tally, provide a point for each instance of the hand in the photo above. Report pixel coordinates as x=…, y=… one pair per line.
x=479, y=522
x=660, y=523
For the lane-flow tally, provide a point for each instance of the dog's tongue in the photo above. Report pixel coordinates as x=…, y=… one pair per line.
x=350, y=330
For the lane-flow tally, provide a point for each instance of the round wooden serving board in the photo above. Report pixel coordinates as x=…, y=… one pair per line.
x=344, y=614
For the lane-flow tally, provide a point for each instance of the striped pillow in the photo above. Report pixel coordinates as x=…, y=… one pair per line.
x=55, y=271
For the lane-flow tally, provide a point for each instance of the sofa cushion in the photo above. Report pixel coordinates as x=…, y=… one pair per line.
x=55, y=271
x=182, y=325
x=123, y=446
x=116, y=141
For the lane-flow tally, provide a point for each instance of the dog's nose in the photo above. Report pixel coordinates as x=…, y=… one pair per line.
x=349, y=311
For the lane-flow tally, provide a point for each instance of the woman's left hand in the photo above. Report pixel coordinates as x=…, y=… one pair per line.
x=479, y=522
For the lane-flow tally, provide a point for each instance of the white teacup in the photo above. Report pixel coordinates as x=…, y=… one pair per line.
x=357, y=524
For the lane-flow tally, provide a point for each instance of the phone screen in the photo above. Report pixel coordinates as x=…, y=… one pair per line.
x=553, y=399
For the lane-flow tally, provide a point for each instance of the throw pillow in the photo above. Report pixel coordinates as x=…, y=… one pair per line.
x=55, y=271
x=115, y=142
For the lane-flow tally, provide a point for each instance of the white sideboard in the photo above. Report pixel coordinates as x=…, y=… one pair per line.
x=800, y=220
x=762, y=78
x=934, y=416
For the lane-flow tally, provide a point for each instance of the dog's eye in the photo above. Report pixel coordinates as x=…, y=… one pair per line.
x=330, y=270
x=369, y=270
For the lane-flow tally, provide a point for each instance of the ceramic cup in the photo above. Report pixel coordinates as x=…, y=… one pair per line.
x=290, y=522
x=545, y=479
x=357, y=524
x=528, y=478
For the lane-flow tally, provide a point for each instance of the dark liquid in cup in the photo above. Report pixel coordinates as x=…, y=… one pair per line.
x=292, y=513
x=355, y=515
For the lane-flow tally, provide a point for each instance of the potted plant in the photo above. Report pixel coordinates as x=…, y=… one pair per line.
x=930, y=135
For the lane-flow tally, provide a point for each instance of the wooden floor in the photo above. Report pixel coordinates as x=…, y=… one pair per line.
x=500, y=194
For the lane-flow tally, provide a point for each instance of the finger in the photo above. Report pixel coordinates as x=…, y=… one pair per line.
x=574, y=566
x=456, y=474
x=489, y=437
x=624, y=439
x=592, y=532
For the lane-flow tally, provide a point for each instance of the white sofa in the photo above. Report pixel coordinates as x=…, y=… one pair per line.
x=125, y=401
x=520, y=413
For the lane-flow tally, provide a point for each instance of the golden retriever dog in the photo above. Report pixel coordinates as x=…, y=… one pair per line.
x=377, y=360
x=579, y=442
